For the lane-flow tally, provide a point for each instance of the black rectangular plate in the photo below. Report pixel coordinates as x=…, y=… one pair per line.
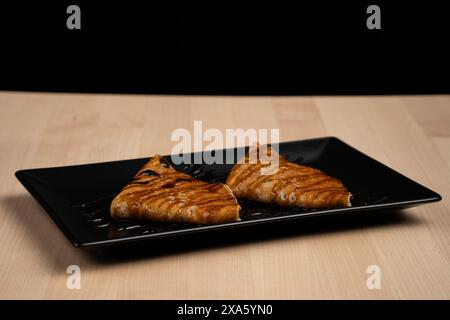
x=77, y=197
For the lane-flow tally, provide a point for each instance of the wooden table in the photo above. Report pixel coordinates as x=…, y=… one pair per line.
x=410, y=134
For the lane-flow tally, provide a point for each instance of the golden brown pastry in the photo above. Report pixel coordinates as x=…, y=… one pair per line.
x=291, y=185
x=160, y=193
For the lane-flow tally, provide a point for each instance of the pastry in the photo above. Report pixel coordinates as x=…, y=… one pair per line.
x=291, y=184
x=160, y=193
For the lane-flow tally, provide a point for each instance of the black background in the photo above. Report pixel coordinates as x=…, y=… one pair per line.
x=226, y=47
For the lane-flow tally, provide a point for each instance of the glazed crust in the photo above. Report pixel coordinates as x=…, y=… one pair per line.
x=292, y=185
x=160, y=193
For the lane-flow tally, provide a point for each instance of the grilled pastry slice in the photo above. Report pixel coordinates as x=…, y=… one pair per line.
x=291, y=185
x=160, y=193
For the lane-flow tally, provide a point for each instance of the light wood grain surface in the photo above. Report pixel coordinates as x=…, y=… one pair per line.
x=409, y=133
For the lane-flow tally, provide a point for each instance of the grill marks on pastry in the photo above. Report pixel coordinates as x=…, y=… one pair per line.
x=148, y=172
x=144, y=173
x=160, y=193
x=291, y=185
x=164, y=162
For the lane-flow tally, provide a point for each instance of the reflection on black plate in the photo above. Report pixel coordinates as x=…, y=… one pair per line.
x=78, y=197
